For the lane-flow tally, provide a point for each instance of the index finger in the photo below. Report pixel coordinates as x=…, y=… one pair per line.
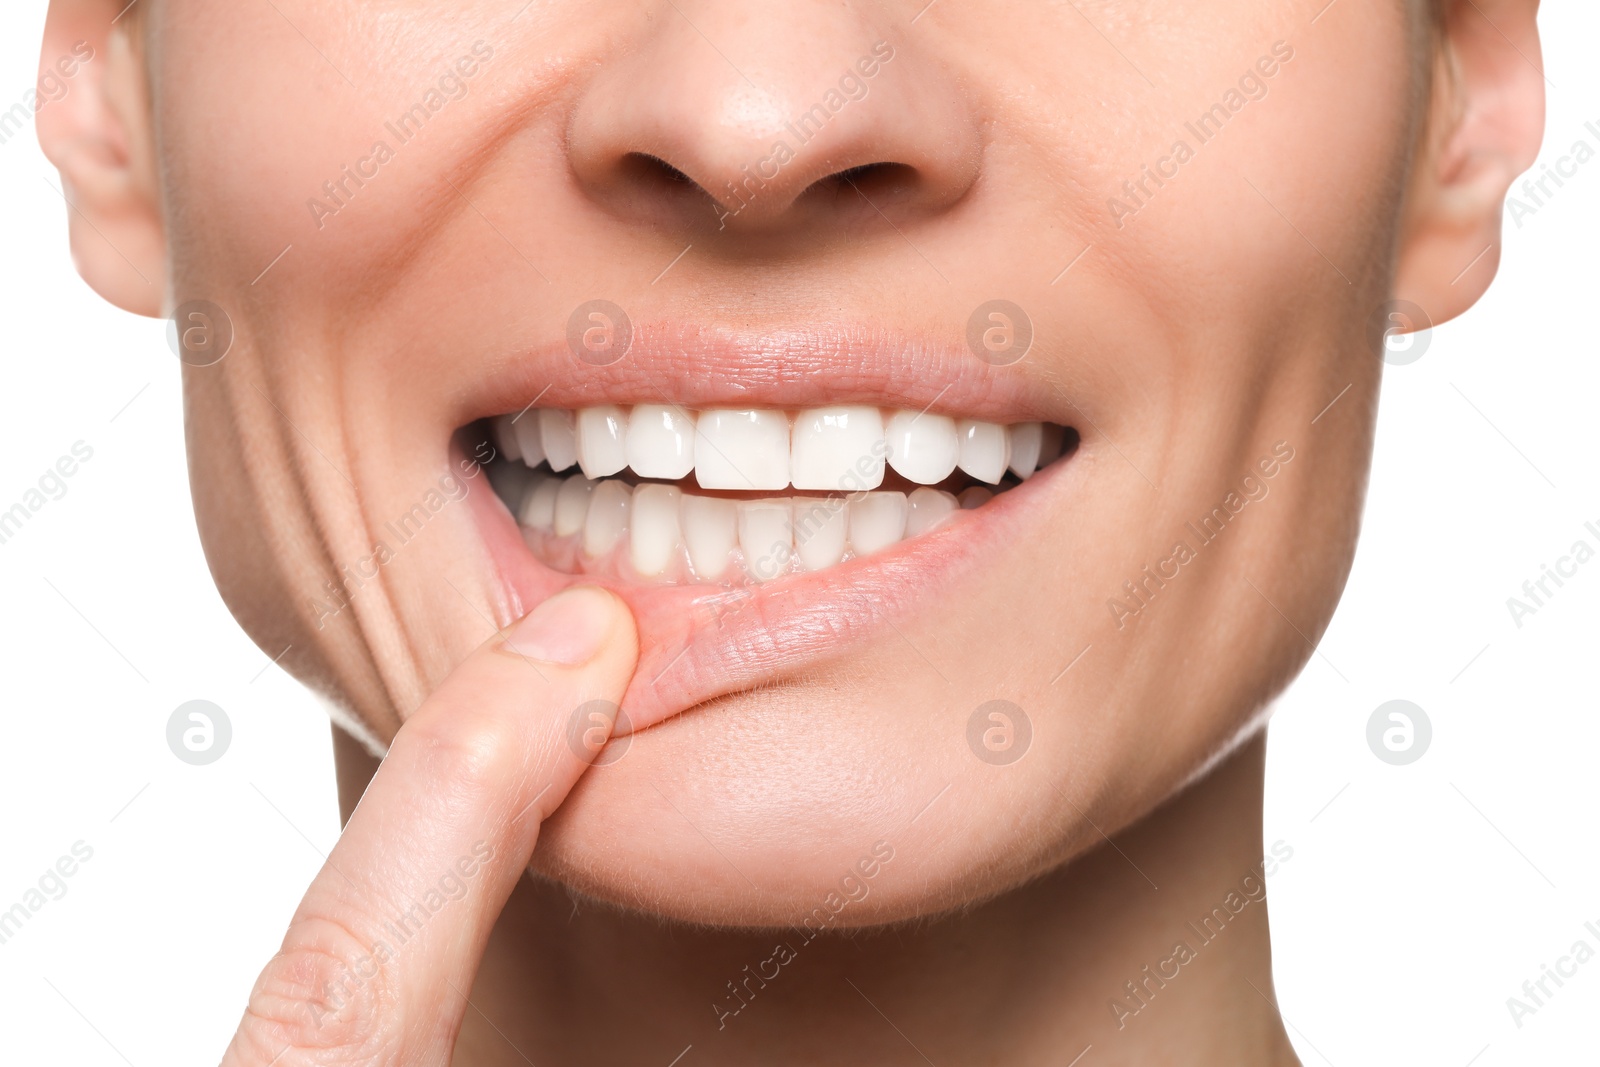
x=382, y=949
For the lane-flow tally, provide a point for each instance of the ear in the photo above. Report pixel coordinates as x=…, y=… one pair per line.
x=1485, y=122
x=93, y=117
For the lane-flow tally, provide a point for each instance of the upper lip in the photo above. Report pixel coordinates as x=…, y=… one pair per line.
x=791, y=367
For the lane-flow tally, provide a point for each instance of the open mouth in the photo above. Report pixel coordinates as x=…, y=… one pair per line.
x=764, y=499
x=661, y=494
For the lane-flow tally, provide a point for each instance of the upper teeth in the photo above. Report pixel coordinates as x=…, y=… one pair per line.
x=843, y=448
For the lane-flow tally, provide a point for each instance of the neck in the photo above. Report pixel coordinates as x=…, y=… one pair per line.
x=1152, y=947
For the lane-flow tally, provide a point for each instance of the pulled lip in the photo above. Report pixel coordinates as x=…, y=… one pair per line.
x=699, y=642
x=700, y=367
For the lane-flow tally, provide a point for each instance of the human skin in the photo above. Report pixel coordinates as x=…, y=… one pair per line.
x=1222, y=323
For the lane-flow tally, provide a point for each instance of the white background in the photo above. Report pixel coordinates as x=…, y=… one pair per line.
x=1418, y=898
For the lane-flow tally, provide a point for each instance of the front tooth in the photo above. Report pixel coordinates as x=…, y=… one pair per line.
x=600, y=434
x=558, y=437
x=877, y=520
x=741, y=449
x=838, y=448
x=984, y=450
x=526, y=427
x=539, y=507
x=927, y=508
x=820, y=527
x=765, y=538
x=505, y=435
x=654, y=529
x=572, y=505
x=608, y=516
x=923, y=448
x=660, y=441
x=1027, y=441
x=710, y=530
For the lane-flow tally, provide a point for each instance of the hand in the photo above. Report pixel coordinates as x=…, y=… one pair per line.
x=381, y=953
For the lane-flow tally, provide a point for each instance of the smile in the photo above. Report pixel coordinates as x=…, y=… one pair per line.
x=663, y=494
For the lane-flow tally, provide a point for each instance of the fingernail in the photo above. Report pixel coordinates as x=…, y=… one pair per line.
x=567, y=629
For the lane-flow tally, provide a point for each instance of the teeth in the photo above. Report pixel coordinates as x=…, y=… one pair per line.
x=572, y=506
x=985, y=450
x=1027, y=441
x=975, y=496
x=927, y=508
x=607, y=518
x=820, y=527
x=663, y=525
x=525, y=430
x=505, y=436
x=877, y=520
x=558, y=437
x=838, y=448
x=660, y=442
x=669, y=533
x=600, y=433
x=539, y=507
x=709, y=533
x=741, y=449
x=655, y=531
x=765, y=539
x=923, y=448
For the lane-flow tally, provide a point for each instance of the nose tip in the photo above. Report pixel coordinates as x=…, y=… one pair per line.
x=831, y=120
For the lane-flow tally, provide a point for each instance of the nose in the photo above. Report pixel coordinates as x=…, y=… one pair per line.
x=795, y=113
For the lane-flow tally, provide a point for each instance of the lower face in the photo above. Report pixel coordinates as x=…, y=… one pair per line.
x=901, y=576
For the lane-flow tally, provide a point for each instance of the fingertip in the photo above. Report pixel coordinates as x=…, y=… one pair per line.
x=573, y=628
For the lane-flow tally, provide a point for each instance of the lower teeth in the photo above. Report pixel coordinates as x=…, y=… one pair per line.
x=659, y=532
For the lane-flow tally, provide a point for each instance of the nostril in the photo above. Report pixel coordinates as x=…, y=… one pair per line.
x=653, y=168
x=646, y=180
x=872, y=180
x=652, y=172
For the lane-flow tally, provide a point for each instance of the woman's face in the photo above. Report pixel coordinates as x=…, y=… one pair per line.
x=407, y=211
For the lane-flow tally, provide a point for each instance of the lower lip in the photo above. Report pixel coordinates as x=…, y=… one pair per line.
x=700, y=642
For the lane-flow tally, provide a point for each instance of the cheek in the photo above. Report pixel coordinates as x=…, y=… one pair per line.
x=1258, y=206
x=299, y=125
